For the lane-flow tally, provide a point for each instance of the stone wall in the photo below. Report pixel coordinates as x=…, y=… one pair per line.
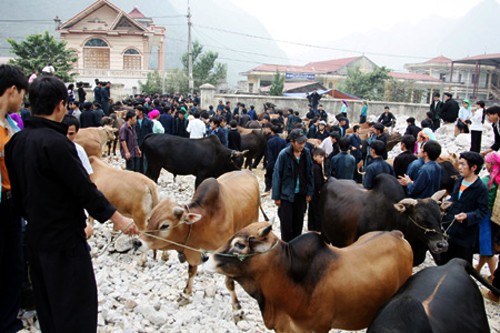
x=332, y=106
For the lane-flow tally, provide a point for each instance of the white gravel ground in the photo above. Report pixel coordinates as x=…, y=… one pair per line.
x=145, y=298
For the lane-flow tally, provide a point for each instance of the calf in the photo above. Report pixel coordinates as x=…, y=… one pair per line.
x=133, y=194
x=219, y=207
x=93, y=139
x=309, y=286
x=437, y=299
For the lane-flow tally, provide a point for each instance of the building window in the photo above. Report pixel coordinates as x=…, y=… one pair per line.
x=330, y=85
x=132, y=59
x=442, y=77
x=96, y=54
x=250, y=87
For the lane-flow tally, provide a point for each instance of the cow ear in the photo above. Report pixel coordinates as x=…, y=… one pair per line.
x=400, y=207
x=265, y=231
x=191, y=218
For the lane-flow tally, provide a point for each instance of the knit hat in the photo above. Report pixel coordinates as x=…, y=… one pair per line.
x=153, y=114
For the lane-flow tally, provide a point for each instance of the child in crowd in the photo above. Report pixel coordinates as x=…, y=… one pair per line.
x=313, y=213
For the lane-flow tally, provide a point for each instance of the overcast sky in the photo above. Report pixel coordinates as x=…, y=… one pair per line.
x=314, y=21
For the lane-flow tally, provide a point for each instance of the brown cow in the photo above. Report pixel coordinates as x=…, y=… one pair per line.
x=219, y=207
x=133, y=194
x=93, y=139
x=308, y=286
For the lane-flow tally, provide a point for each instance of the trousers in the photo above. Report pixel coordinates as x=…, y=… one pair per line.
x=65, y=289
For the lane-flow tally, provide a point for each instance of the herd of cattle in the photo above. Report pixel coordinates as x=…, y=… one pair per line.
x=356, y=273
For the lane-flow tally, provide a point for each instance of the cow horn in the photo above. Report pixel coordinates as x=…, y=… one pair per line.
x=438, y=195
x=178, y=211
x=361, y=172
x=265, y=231
x=408, y=202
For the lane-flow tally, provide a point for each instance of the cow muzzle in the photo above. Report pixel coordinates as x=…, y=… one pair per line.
x=140, y=246
x=438, y=246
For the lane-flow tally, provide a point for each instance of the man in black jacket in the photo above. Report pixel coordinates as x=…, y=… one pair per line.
x=435, y=109
x=469, y=207
x=449, y=111
x=51, y=189
x=493, y=114
x=143, y=127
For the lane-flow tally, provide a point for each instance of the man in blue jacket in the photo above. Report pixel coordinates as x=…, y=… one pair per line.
x=469, y=206
x=428, y=180
x=293, y=185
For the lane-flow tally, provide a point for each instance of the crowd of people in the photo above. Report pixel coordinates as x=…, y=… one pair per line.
x=44, y=182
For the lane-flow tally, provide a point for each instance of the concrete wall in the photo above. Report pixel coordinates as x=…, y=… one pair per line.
x=332, y=106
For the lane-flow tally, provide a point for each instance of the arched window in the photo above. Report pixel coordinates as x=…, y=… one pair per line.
x=132, y=59
x=96, y=54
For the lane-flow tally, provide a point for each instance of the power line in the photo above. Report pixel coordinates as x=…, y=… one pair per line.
x=310, y=45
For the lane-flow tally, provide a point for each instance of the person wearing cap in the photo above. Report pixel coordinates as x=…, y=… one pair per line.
x=435, y=110
x=321, y=133
x=463, y=120
x=293, y=184
x=449, y=111
x=157, y=126
x=143, y=127
x=196, y=127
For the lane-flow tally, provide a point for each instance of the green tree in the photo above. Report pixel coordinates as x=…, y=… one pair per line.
x=153, y=85
x=405, y=92
x=277, y=85
x=366, y=85
x=177, y=81
x=37, y=50
x=206, y=69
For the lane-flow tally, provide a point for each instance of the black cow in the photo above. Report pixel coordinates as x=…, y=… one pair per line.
x=203, y=158
x=436, y=300
x=255, y=142
x=348, y=211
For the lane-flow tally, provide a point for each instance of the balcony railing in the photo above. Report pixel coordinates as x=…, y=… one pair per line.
x=116, y=73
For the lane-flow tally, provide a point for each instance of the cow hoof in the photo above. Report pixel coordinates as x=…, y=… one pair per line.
x=238, y=315
x=182, y=257
x=184, y=299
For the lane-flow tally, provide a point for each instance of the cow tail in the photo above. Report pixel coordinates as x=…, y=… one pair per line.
x=266, y=218
x=469, y=269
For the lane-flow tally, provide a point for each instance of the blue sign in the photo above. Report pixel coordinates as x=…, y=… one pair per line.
x=300, y=76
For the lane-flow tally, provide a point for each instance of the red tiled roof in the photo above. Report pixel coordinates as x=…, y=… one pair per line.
x=281, y=68
x=330, y=65
x=440, y=60
x=413, y=76
x=136, y=13
x=290, y=85
x=483, y=57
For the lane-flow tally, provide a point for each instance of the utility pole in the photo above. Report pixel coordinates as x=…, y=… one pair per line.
x=190, y=52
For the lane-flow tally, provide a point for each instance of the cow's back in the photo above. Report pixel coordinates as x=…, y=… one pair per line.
x=239, y=191
x=342, y=203
x=366, y=275
x=447, y=296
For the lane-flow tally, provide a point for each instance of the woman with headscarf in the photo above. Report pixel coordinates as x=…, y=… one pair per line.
x=486, y=228
x=463, y=120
